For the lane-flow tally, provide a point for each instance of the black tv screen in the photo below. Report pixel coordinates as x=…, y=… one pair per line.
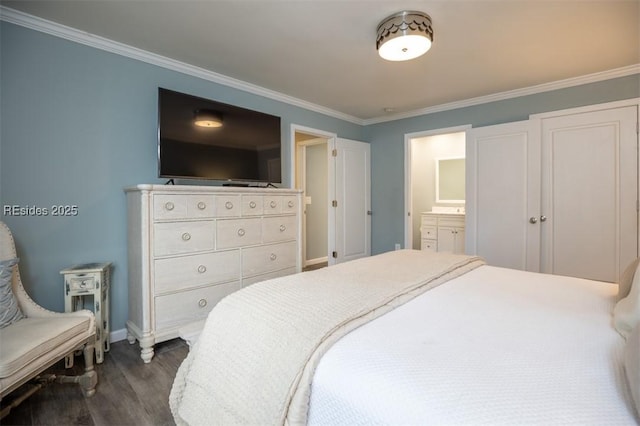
x=245, y=148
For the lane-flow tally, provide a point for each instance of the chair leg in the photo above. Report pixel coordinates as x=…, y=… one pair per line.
x=89, y=379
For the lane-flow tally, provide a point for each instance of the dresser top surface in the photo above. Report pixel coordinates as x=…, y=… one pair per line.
x=177, y=189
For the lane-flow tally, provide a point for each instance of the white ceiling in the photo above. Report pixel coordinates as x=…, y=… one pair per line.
x=323, y=51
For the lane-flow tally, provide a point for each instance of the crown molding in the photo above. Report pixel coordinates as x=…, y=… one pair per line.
x=531, y=90
x=68, y=33
x=62, y=31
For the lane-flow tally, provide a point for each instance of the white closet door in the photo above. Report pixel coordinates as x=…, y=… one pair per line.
x=590, y=187
x=503, y=193
x=353, y=195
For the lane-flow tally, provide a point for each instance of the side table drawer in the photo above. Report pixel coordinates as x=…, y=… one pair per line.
x=183, y=237
x=173, y=310
x=176, y=273
x=79, y=283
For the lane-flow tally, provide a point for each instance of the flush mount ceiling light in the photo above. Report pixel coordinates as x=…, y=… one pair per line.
x=207, y=118
x=404, y=35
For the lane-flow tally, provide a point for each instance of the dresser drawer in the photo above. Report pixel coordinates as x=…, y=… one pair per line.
x=279, y=228
x=252, y=205
x=174, y=310
x=429, y=245
x=182, y=237
x=268, y=276
x=428, y=232
x=451, y=221
x=228, y=205
x=238, y=232
x=182, y=206
x=272, y=204
x=258, y=260
x=428, y=221
x=289, y=204
x=176, y=273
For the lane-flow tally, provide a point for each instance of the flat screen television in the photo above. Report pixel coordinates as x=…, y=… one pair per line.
x=232, y=144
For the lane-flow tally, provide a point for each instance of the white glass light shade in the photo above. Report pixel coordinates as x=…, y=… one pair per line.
x=404, y=35
x=404, y=48
x=206, y=118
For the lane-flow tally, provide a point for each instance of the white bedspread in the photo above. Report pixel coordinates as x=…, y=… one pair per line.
x=254, y=360
x=494, y=346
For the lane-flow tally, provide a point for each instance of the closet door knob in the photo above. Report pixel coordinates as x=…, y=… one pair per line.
x=533, y=219
x=543, y=218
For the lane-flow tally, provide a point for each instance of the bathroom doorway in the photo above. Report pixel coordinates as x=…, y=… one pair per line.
x=423, y=152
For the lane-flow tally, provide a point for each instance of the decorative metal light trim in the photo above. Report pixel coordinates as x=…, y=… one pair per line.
x=414, y=25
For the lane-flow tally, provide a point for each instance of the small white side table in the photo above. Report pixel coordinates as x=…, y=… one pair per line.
x=90, y=279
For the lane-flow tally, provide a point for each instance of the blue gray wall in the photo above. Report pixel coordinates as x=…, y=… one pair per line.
x=78, y=124
x=387, y=142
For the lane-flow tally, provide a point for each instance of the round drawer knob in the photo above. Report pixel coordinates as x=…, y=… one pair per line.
x=241, y=232
x=252, y=204
x=186, y=236
x=273, y=204
x=202, y=303
x=202, y=205
x=228, y=205
x=283, y=228
x=169, y=205
x=273, y=256
x=202, y=269
x=290, y=203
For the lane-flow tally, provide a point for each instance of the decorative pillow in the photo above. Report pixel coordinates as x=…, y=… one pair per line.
x=624, y=285
x=9, y=309
x=632, y=366
x=626, y=313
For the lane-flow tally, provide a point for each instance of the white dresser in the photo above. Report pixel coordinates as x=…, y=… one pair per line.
x=190, y=246
x=442, y=232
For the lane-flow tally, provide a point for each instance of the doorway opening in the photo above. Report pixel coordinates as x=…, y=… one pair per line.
x=425, y=153
x=311, y=175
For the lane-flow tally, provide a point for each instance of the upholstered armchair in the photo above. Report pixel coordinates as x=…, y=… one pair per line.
x=33, y=338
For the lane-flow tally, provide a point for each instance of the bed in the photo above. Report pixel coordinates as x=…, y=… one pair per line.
x=410, y=337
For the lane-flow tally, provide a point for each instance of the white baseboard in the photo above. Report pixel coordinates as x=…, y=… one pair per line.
x=311, y=262
x=118, y=335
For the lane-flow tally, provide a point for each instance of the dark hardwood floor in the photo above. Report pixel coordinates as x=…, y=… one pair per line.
x=129, y=392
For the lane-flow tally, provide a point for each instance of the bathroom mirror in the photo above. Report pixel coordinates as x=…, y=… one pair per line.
x=450, y=180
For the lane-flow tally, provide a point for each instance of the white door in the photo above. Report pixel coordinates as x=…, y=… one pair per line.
x=352, y=210
x=590, y=165
x=503, y=195
x=556, y=194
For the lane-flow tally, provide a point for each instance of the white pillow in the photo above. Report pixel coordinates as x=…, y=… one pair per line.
x=624, y=285
x=632, y=366
x=9, y=310
x=626, y=313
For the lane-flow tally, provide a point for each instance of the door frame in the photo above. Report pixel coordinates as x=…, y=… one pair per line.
x=331, y=142
x=408, y=186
